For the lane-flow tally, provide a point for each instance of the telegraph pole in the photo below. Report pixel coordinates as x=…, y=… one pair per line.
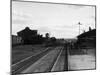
x=79, y=27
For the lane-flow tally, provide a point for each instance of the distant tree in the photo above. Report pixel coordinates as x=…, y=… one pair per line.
x=27, y=28
x=47, y=35
x=53, y=39
x=83, y=31
x=90, y=29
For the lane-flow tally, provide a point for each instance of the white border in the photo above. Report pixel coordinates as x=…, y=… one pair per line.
x=5, y=37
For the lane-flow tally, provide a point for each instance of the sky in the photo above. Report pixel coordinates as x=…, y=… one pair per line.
x=60, y=20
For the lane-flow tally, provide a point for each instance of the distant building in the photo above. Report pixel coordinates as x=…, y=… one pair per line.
x=88, y=38
x=16, y=40
x=27, y=32
x=28, y=36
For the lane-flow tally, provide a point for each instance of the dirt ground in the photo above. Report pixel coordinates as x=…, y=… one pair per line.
x=23, y=51
x=85, y=60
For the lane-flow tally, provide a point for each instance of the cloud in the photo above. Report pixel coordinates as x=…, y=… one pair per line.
x=76, y=6
x=65, y=26
x=20, y=14
x=44, y=29
x=92, y=17
x=20, y=18
x=17, y=21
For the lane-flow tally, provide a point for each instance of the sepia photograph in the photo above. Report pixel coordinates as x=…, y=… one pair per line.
x=52, y=37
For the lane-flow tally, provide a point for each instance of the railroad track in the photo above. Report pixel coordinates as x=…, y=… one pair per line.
x=48, y=61
x=19, y=66
x=61, y=63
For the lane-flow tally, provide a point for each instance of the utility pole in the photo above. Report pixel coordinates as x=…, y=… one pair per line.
x=79, y=27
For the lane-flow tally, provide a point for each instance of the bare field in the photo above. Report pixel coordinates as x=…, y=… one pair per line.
x=82, y=59
x=23, y=51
